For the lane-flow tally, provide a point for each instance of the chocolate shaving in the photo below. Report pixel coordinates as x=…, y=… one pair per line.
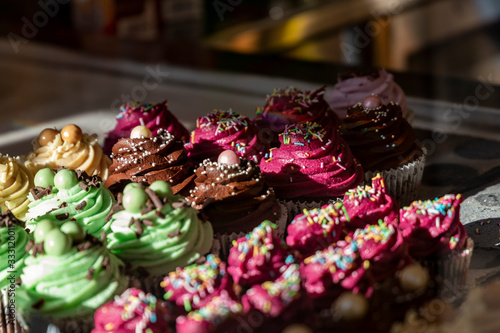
x=106, y=263
x=29, y=246
x=132, y=221
x=114, y=209
x=19, y=281
x=181, y=204
x=37, y=249
x=140, y=229
x=8, y=220
x=84, y=246
x=38, y=304
x=62, y=217
x=154, y=198
x=63, y=205
x=174, y=234
x=90, y=273
x=103, y=236
x=159, y=214
x=84, y=186
x=39, y=192
x=147, y=222
x=81, y=205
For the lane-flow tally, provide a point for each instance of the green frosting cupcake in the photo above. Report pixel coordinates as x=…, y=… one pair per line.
x=68, y=274
x=69, y=195
x=153, y=231
x=13, y=240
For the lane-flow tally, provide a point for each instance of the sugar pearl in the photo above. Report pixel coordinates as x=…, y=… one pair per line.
x=47, y=135
x=71, y=133
x=140, y=132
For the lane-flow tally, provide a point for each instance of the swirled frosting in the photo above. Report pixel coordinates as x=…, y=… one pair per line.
x=153, y=115
x=380, y=138
x=353, y=87
x=164, y=235
x=15, y=182
x=73, y=284
x=161, y=157
x=311, y=162
x=234, y=197
x=13, y=240
x=86, y=155
x=84, y=200
x=432, y=228
x=221, y=130
x=131, y=312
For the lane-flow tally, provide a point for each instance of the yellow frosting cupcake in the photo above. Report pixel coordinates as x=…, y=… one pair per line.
x=71, y=149
x=15, y=182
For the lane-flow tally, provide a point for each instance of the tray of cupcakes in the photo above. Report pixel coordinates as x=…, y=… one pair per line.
x=300, y=219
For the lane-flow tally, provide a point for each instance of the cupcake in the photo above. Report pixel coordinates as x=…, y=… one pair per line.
x=291, y=106
x=15, y=182
x=316, y=229
x=313, y=163
x=222, y=130
x=221, y=314
x=369, y=204
x=354, y=86
x=154, y=116
x=257, y=257
x=437, y=239
x=279, y=302
x=147, y=158
x=383, y=142
x=70, y=149
x=192, y=287
x=233, y=196
x=67, y=276
x=133, y=311
x=69, y=195
x=154, y=233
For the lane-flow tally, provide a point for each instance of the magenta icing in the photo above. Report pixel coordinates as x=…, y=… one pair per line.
x=193, y=286
x=354, y=89
x=432, y=228
x=311, y=162
x=383, y=246
x=221, y=130
x=257, y=257
x=368, y=204
x=316, y=229
x=133, y=311
x=152, y=115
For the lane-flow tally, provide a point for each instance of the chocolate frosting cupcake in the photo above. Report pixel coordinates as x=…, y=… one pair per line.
x=143, y=158
x=232, y=194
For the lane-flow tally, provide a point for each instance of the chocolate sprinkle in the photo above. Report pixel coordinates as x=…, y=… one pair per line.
x=19, y=281
x=63, y=205
x=90, y=273
x=8, y=219
x=103, y=236
x=62, y=217
x=106, y=263
x=147, y=222
x=29, y=246
x=39, y=192
x=174, y=234
x=181, y=204
x=81, y=205
x=154, y=198
x=84, y=187
x=38, y=304
x=159, y=214
x=140, y=229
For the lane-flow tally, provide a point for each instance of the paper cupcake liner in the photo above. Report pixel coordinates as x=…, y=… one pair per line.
x=75, y=325
x=402, y=183
x=8, y=323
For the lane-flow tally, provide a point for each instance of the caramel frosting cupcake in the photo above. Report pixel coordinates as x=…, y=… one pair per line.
x=15, y=182
x=147, y=158
x=70, y=148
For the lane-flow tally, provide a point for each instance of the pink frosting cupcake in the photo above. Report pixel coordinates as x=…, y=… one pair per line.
x=194, y=286
x=367, y=205
x=281, y=302
x=316, y=229
x=353, y=87
x=221, y=314
x=152, y=115
x=221, y=130
x=133, y=311
x=293, y=106
x=312, y=163
x=257, y=257
x=436, y=237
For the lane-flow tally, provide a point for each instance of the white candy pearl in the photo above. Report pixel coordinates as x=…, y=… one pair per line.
x=140, y=132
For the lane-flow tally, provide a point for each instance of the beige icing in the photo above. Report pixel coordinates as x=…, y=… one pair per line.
x=15, y=182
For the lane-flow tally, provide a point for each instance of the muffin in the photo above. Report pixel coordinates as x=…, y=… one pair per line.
x=233, y=196
x=313, y=163
x=154, y=233
x=69, y=195
x=354, y=86
x=143, y=157
x=15, y=182
x=70, y=148
x=383, y=142
x=222, y=130
x=67, y=276
x=154, y=116
x=291, y=106
x=133, y=311
x=437, y=239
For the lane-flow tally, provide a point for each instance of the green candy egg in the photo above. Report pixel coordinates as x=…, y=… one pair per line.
x=134, y=200
x=65, y=178
x=130, y=186
x=163, y=189
x=56, y=242
x=41, y=230
x=73, y=229
x=44, y=177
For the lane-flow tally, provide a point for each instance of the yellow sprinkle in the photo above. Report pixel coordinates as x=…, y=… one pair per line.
x=109, y=326
x=267, y=307
x=234, y=242
x=334, y=159
x=366, y=264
